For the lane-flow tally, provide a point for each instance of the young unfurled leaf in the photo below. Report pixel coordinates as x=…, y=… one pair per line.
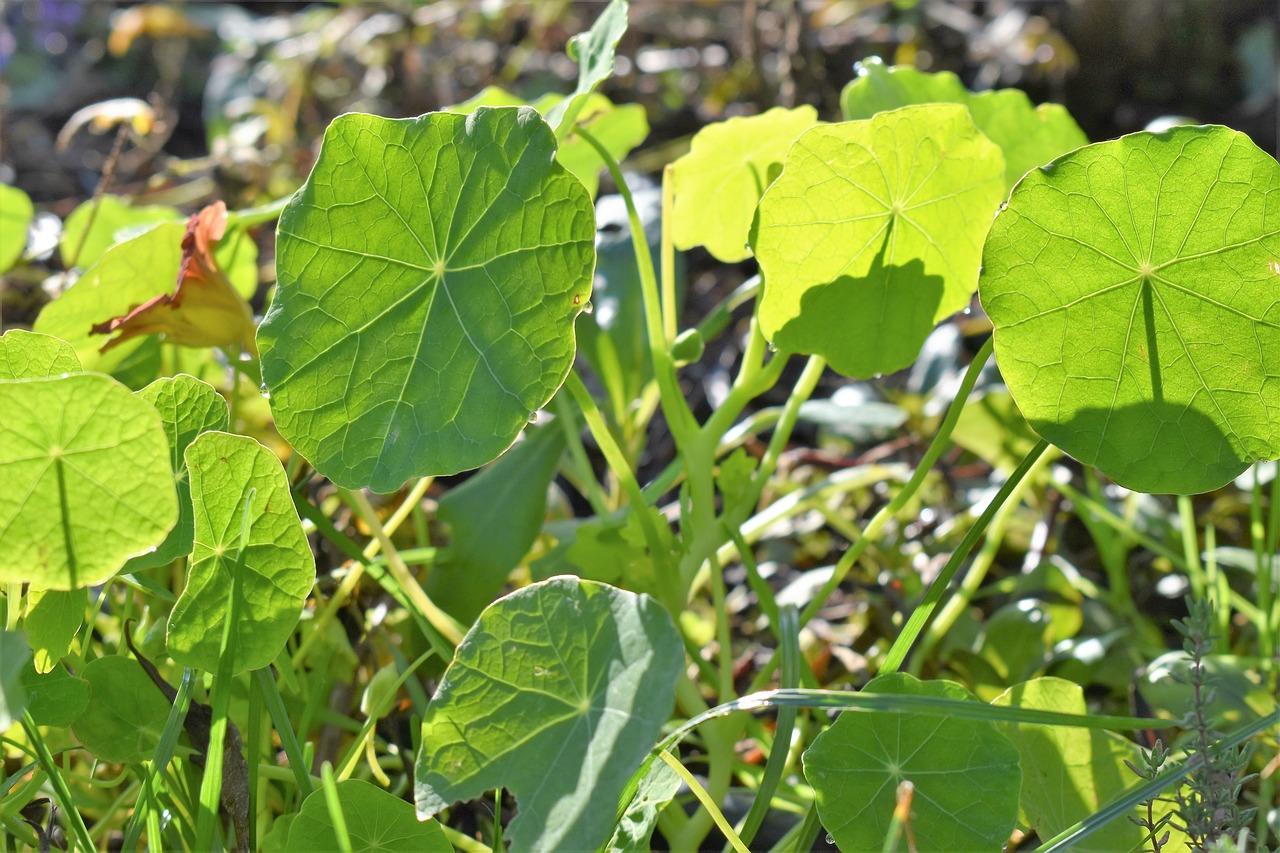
x=204, y=309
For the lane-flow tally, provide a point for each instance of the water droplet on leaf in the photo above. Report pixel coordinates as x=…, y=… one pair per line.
x=533, y=417
x=588, y=308
x=772, y=346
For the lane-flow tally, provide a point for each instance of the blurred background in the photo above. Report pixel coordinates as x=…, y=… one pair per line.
x=244, y=90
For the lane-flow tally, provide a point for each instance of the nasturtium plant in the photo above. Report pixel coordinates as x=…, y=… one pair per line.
x=1029, y=136
x=14, y=655
x=430, y=272
x=595, y=51
x=54, y=698
x=873, y=233
x=87, y=480
x=53, y=618
x=16, y=212
x=187, y=407
x=375, y=820
x=31, y=355
x=557, y=693
x=1132, y=288
x=102, y=222
x=965, y=773
x=249, y=554
x=125, y=714
x=730, y=164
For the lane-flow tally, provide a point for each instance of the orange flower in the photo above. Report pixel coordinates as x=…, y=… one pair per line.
x=204, y=309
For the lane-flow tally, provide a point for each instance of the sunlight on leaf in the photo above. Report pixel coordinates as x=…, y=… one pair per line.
x=1029, y=136
x=87, y=480
x=965, y=774
x=718, y=184
x=557, y=693
x=30, y=355
x=376, y=820
x=873, y=233
x=595, y=52
x=187, y=407
x=53, y=617
x=277, y=571
x=1069, y=773
x=15, y=217
x=1133, y=286
x=430, y=270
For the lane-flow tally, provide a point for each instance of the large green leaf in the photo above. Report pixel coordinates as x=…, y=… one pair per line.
x=493, y=519
x=86, y=480
x=1029, y=136
x=52, y=621
x=1132, y=286
x=15, y=217
x=187, y=407
x=375, y=820
x=269, y=573
x=126, y=713
x=30, y=355
x=873, y=233
x=1069, y=773
x=965, y=774
x=55, y=698
x=557, y=693
x=430, y=272
x=730, y=164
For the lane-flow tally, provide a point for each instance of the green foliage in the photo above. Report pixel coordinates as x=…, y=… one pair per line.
x=965, y=774
x=374, y=819
x=125, y=714
x=250, y=554
x=1140, y=339
x=556, y=693
x=87, y=480
x=29, y=355
x=426, y=302
x=54, y=698
x=15, y=217
x=888, y=214
x=14, y=655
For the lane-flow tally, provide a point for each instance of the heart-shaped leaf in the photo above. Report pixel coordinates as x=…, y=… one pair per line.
x=557, y=693
x=86, y=480
x=430, y=272
x=872, y=234
x=375, y=820
x=1132, y=285
x=269, y=573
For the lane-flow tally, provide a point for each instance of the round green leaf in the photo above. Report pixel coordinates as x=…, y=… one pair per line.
x=1029, y=136
x=15, y=217
x=55, y=698
x=557, y=693
x=965, y=773
x=30, y=355
x=86, y=480
x=430, y=272
x=269, y=573
x=187, y=407
x=718, y=184
x=1132, y=287
x=98, y=224
x=873, y=233
x=375, y=820
x=125, y=714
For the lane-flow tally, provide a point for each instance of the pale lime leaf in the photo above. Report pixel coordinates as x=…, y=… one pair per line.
x=14, y=655
x=557, y=693
x=1070, y=773
x=273, y=569
x=1029, y=136
x=618, y=128
x=56, y=698
x=730, y=164
x=30, y=355
x=657, y=788
x=595, y=52
x=187, y=407
x=873, y=233
x=86, y=480
x=375, y=821
x=125, y=714
x=992, y=428
x=127, y=275
x=16, y=211
x=430, y=272
x=965, y=774
x=87, y=233
x=1132, y=285
x=53, y=618
x=493, y=519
